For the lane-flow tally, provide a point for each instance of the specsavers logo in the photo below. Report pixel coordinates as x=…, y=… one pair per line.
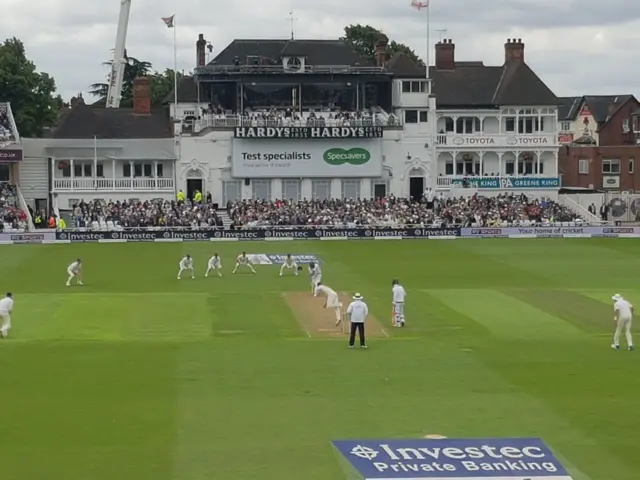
x=352, y=156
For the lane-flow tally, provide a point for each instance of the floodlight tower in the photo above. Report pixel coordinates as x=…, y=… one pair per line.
x=114, y=94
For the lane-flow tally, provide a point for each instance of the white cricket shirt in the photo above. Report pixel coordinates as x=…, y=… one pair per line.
x=74, y=267
x=186, y=262
x=358, y=311
x=326, y=290
x=6, y=305
x=398, y=293
x=623, y=308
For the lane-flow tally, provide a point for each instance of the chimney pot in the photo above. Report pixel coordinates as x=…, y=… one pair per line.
x=381, y=51
x=445, y=55
x=141, y=96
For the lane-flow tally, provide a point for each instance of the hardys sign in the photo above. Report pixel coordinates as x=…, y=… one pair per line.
x=480, y=459
x=308, y=132
x=344, y=158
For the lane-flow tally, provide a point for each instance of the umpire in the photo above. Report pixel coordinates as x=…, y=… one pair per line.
x=357, y=312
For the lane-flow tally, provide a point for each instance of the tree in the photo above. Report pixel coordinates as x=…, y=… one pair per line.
x=161, y=83
x=133, y=68
x=363, y=38
x=32, y=94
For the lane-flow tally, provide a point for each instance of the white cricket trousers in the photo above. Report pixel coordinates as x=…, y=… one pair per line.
x=624, y=324
x=5, y=322
x=398, y=313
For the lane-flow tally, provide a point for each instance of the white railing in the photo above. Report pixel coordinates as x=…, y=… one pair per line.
x=449, y=181
x=571, y=204
x=112, y=184
x=24, y=207
x=512, y=140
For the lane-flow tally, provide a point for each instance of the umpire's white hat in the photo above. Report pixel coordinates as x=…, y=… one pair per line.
x=616, y=297
x=357, y=296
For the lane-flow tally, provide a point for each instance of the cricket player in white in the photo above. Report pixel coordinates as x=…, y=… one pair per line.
x=316, y=276
x=623, y=314
x=6, y=307
x=333, y=301
x=215, y=265
x=243, y=260
x=186, y=265
x=75, y=271
x=289, y=264
x=399, y=294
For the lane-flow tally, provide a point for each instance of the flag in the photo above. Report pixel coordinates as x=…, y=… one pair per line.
x=168, y=21
x=419, y=5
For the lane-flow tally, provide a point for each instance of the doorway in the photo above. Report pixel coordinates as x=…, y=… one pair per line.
x=193, y=184
x=380, y=190
x=416, y=188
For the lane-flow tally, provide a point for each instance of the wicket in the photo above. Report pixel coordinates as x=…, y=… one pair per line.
x=345, y=324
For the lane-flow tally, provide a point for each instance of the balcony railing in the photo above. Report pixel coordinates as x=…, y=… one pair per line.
x=231, y=121
x=113, y=184
x=512, y=140
x=446, y=182
x=280, y=69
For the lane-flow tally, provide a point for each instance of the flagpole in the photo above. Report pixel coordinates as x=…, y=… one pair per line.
x=428, y=43
x=175, y=70
x=95, y=157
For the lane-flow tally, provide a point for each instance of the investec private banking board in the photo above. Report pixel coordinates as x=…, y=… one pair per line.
x=493, y=121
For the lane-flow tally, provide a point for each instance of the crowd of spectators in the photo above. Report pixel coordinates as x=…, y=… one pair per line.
x=100, y=215
x=213, y=115
x=503, y=210
x=6, y=132
x=12, y=217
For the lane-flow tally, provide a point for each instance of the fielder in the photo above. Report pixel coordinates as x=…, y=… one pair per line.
x=399, y=295
x=332, y=301
x=214, y=265
x=186, y=265
x=243, y=260
x=75, y=271
x=6, y=307
x=315, y=273
x=289, y=264
x=623, y=314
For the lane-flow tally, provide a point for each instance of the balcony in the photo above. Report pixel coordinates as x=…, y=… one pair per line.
x=511, y=182
x=508, y=140
x=164, y=185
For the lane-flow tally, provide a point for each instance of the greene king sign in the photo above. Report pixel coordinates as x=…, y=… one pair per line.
x=308, y=132
x=344, y=158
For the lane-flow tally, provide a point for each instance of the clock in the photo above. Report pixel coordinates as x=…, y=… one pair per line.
x=294, y=64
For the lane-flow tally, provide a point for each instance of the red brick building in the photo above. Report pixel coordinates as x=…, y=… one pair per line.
x=601, y=136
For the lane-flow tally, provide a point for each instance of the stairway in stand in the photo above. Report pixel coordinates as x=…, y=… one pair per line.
x=226, y=221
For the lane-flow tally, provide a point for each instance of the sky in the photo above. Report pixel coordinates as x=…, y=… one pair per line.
x=577, y=47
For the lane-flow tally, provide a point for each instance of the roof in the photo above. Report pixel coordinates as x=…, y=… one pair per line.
x=602, y=107
x=187, y=92
x=317, y=52
x=473, y=84
x=84, y=122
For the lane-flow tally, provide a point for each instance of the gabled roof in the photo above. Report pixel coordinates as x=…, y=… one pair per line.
x=83, y=122
x=601, y=107
x=473, y=84
x=317, y=52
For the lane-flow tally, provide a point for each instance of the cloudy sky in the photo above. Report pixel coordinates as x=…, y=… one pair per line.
x=576, y=46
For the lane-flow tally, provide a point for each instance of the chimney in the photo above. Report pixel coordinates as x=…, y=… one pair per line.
x=513, y=50
x=381, y=51
x=200, y=51
x=141, y=96
x=445, y=55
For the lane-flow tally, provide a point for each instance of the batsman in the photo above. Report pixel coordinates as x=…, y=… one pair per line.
x=399, y=294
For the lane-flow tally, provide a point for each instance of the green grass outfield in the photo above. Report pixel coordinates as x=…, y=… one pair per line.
x=137, y=376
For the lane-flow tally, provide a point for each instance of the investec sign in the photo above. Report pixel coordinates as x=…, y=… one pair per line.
x=308, y=132
x=452, y=458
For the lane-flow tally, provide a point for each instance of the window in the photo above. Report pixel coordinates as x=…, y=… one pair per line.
x=583, y=166
x=321, y=189
x=380, y=188
x=291, y=189
x=448, y=124
x=4, y=173
x=100, y=170
x=126, y=170
x=510, y=124
x=231, y=191
x=160, y=171
x=631, y=165
x=351, y=189
x=66, y=171
x=411, y=116
x=467, y=125
x=448, y=168
x=565, y=126
x=636, y=124
x=147, y=167
x=414, y=86
x=424, y=115
x=610, y=166
x=261, y=189
x=530, y=124
x=82, y=169
x=625, y=125
x=137, y=169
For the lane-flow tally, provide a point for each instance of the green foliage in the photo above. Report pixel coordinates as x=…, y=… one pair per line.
x=161, y=82
x=34, y=102
x=363, y=38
